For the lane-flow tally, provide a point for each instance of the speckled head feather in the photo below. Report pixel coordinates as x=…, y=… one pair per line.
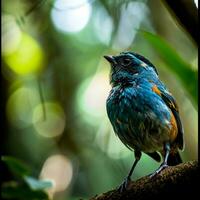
x=142, y=58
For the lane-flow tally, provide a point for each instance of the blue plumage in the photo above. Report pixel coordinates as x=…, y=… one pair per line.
x=143, y=113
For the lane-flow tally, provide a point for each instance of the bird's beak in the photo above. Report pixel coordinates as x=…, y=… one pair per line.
x=110, y=59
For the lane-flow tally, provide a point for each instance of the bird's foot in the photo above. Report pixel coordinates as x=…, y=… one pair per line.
x=123, y=187
x=162, y=166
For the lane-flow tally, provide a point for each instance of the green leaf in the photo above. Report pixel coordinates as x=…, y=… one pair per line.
x=16, y=166
x=13, y=190
x=35, y=184
x=182, y=69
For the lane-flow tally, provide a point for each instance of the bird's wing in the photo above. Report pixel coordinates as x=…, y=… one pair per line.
x=171, y=103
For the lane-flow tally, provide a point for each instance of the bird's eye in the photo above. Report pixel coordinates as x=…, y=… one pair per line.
x=126, y=61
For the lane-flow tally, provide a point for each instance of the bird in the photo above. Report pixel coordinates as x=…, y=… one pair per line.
x=143, y=113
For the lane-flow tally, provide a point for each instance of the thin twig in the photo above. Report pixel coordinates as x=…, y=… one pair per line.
x=41, y=98
x=36, y=5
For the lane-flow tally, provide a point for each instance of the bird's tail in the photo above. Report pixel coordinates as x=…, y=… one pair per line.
x=174, y=159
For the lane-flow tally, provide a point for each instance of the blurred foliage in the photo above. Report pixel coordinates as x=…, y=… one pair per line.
x=56, y=83
x=24, y=186
x=16, y=167
x=176, y=64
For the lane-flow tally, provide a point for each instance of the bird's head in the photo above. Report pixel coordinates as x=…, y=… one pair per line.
x=127, y=65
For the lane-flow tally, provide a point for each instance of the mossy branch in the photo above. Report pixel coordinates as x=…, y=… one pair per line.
x=180, y=179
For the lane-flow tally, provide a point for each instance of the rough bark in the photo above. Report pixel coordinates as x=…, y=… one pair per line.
x=180, y=180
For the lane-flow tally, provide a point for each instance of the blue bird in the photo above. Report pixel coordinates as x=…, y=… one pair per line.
x=142, y=111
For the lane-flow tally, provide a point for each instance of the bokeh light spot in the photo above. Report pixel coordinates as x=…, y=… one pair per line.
x=19, y=106
x=196, y=3
x=71, y=16
x=91, y=96
x=103, y=25
x=58, y=169
x=11, y=35
x=49, y=119
x=127, y=26
x=27, y=58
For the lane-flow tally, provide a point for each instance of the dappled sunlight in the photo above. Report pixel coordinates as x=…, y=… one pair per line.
x=196, y=3
x=28, y=57
x=92, y=94
x=20, y=106
x=11, y=35
x=49, y=119
x=71, y=16
x=131, y=18
x=103, y=25
x=57, y=168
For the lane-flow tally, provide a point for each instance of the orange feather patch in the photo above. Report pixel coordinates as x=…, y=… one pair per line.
x=156, y=90
x=174, y=129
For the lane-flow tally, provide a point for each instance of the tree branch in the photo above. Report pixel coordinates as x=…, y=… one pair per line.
x=186, y=14
x=180, y=179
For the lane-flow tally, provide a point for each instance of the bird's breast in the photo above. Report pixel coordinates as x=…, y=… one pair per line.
x=139, y=117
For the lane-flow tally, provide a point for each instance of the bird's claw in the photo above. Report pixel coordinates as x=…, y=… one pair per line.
x=123, y=187
x=163, y=166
